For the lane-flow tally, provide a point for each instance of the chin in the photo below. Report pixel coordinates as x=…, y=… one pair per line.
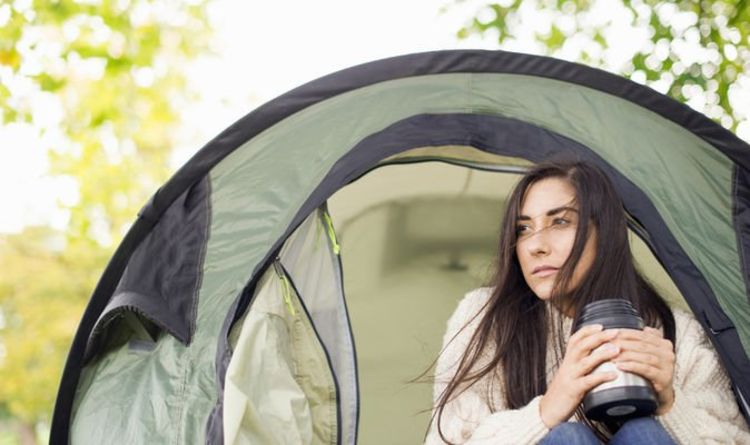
x=543, y=294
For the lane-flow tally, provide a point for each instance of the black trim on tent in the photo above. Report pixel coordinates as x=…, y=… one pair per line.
x=457, y=61
x=741, y=215
x=509, y=137
x=161, y=282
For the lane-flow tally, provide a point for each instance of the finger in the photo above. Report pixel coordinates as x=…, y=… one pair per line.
x=584, y=332
x=635, y=345
x=592, y=380
x=606, y=352
x=660, y=380
x=584, y=347
x=662, y=348
x=646, y=371
x=632, y=334
x=644, y=336
x=653, y=331
x=644, y=358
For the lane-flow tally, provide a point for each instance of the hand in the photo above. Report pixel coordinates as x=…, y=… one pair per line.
x=572, y=380
x=648, y=354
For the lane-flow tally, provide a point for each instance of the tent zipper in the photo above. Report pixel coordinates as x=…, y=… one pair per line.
x=331, y=232
x=326, y=219
x=286, y=289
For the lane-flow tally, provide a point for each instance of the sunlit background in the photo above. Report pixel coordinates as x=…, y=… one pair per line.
x=102, y=100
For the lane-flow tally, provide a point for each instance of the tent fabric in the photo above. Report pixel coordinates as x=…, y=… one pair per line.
x=311, y=259
x=453, y=128
x=685, y=177
x=162, y=278
x=741, y=214
x=157, y=298
x=510, y=137
x=280, y=388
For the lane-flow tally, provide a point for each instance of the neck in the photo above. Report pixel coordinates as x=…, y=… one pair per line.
x=565, y=308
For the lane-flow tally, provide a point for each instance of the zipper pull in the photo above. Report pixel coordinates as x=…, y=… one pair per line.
x=331, y=232
x=286, y=288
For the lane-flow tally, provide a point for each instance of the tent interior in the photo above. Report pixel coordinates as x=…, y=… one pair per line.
x=416, y=233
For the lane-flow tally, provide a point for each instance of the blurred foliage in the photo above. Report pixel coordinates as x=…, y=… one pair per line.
x=695, y=48
x=115, y=70
x=42, y=295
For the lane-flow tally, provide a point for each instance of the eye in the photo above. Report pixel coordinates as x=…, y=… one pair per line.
x=522, y=229
x=560, y=221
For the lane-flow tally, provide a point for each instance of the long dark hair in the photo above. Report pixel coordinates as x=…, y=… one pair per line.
x=515, y=324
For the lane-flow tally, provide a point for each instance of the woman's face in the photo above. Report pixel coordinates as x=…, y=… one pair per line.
x=546, y=230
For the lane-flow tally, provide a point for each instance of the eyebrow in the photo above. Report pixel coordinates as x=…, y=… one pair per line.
x=550, y=212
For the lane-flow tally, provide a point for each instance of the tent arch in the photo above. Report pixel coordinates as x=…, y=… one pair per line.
x=487, y=133
x=470, y=82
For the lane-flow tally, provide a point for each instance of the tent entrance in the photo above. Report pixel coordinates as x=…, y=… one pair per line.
x=413, y=236
x=292, y=377
x=414, y=239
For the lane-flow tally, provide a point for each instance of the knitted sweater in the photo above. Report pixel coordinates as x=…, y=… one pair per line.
x=704, y=410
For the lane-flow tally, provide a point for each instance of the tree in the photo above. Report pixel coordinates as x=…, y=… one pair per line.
x=113, y=70
x=696, y=51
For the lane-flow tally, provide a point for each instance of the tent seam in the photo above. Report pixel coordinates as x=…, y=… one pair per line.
x=201, y=259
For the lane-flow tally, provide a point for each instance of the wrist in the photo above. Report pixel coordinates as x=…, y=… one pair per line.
x=544, y=413
x=666, y=402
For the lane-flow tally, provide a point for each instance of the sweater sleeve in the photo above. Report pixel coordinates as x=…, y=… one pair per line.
x=467, y=418
x=704, y=410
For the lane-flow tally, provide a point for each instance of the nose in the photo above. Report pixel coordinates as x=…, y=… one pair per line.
x=537, y=243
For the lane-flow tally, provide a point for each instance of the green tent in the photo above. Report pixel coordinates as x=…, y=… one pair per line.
x=290, y=280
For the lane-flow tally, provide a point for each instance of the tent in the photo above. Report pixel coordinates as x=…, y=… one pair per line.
x=288, y=282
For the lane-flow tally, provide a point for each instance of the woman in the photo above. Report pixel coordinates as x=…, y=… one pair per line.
x=510, y=372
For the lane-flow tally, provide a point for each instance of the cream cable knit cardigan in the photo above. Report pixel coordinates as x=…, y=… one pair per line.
x=704, y=410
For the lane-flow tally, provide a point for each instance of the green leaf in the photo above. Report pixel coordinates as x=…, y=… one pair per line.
x=48, y=83
x=555, y=39
x=599, y=38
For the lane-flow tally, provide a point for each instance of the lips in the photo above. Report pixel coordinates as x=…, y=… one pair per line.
x=543, y=271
